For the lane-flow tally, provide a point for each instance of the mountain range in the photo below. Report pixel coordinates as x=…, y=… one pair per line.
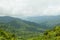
x=47, y=21
x=29, y=26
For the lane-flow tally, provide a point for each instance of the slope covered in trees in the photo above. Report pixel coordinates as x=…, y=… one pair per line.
x=53, y=34
x=7, y=35
x=25, y=30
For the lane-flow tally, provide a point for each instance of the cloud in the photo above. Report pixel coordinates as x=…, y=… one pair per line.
x=29, y=7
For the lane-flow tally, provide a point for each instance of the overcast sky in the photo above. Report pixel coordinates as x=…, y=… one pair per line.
x=29, y=7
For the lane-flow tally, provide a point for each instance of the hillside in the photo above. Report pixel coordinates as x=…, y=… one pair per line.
x=4, y=35
x=53, y=34
x=20, y=27
x=27, y=30
x=45, y=21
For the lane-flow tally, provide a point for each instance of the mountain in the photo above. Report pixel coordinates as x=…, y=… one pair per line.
x=40, y=19
x=47, y=21
x=20, y=27
x=25, y=29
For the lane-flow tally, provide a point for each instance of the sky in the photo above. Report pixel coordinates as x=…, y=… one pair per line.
x=24, y=8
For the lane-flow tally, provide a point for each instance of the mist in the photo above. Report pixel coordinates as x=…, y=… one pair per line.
x=23, y=8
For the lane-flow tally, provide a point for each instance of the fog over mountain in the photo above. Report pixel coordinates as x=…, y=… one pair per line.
x=23, y=8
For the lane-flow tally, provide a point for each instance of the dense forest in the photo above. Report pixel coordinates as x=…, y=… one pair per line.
x=53, y=34
x=18, y=29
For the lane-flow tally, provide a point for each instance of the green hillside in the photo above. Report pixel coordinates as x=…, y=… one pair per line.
x=52, y=34
x=26, y=30
x=4, y=35
x=23, y=29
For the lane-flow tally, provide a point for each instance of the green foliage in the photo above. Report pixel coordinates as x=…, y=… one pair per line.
x=53, y=34
x=17, y=29
x=6, y=35
x=21, y=28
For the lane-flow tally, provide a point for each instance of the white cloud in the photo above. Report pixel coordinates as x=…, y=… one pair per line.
x=29, y=7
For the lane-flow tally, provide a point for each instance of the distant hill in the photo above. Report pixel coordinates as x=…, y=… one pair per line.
x=47, y=21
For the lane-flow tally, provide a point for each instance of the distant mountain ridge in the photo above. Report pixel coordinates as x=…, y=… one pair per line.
x=48, y=21
x=42, y=18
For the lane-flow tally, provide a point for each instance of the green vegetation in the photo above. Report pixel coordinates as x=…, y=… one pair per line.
x=22, y=29
x=17, y=29
x=53, y=34
x=6, y=35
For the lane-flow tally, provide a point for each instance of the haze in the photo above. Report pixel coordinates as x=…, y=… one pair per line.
x=25, y=8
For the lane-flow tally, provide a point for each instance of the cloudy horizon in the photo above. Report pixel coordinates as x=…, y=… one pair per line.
x=29, y=7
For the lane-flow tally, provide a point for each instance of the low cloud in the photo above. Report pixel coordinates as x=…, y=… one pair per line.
x=29, y=7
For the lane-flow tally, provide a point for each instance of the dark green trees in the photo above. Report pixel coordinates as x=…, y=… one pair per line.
x=7, y=36
x=53, y=34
